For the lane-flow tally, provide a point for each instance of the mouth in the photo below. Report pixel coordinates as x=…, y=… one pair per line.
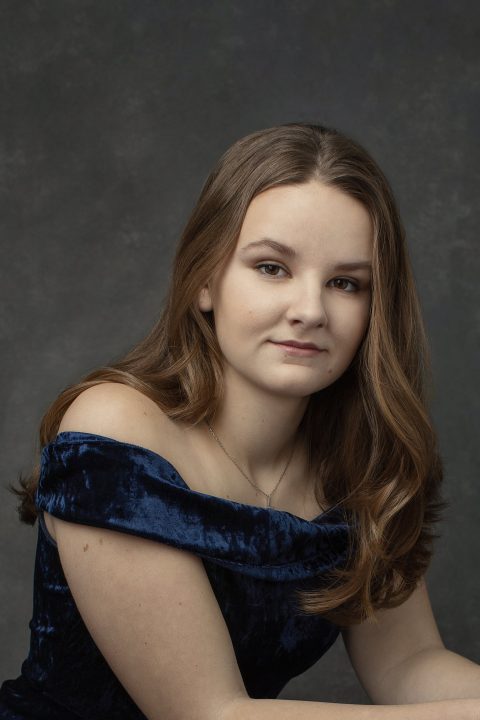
x=297, y=343
x=298, y=348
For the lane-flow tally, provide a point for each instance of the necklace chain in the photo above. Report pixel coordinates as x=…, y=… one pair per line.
x=267, y=495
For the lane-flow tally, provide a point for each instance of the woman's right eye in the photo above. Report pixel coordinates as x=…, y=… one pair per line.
x=269, y=269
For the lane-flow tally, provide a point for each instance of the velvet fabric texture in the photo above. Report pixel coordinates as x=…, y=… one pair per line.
x=254, y=557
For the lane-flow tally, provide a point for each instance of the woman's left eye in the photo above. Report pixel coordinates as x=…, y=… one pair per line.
x=346, y=280
x=271, y=269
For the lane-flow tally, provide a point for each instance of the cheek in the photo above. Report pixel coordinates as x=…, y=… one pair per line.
x=233, y=319
x=362, y=326
x=354, y=326
x=243, y=309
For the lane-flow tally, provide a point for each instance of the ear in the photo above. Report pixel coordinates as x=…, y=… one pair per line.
x=205, y=299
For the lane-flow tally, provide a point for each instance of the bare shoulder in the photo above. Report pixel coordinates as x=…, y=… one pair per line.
x=123, y=413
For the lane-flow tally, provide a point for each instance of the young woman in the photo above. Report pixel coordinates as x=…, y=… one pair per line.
x=259, y=473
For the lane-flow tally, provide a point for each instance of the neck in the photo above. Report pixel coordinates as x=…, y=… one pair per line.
x=258, y=429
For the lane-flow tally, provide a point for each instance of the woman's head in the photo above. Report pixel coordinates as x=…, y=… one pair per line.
x=300, y=272
x=287, y=156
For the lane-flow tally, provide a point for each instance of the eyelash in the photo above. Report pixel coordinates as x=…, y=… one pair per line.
x=275, y=265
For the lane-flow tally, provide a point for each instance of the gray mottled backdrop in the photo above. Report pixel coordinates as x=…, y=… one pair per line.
x=112, y=114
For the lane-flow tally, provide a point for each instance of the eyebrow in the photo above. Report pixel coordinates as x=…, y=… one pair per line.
x=273, y=245
x=289, y=252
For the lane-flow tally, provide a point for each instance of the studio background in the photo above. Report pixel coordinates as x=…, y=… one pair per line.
x=113, y=113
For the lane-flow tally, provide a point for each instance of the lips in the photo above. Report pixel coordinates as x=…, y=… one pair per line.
x=297, y=344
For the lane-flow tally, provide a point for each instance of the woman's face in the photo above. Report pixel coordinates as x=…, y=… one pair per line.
x=284, y=284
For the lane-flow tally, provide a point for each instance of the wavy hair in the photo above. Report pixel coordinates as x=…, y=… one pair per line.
x=370, y=438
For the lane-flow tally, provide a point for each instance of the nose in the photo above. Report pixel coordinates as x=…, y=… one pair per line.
x=306, y=306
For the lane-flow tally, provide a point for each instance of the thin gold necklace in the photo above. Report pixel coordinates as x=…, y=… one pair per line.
x=267, y=495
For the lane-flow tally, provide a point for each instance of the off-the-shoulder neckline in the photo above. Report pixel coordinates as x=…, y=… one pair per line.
x=70, y=435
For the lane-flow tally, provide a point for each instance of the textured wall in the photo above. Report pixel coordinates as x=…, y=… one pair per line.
x=112, y=114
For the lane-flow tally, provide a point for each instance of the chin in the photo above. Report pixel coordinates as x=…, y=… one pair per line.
x=299, y=389
x=292, y=390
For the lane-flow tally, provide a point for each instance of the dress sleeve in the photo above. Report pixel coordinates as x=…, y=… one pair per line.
x=95, y=480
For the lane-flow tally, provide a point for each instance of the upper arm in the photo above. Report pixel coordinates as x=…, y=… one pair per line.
x=376, y=647
x=148, y=606
x=152, y=613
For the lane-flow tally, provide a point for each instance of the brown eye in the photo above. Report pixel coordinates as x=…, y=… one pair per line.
x=349, y=282
x=271, y=269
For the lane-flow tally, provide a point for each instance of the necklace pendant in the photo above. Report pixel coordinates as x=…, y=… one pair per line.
x=220, y=444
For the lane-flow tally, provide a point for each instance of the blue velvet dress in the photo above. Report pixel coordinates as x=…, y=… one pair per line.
x=255, y=559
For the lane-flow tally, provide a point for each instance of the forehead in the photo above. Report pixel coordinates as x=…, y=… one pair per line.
x=309, y=216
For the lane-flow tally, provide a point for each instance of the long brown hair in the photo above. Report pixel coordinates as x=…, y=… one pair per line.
x=369, y=434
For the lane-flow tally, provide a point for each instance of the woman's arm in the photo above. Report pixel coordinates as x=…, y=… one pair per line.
x=401, y=658
x=248, y=709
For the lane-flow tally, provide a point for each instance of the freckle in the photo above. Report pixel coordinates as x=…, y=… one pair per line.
x=85, y=548
x=101, y=541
